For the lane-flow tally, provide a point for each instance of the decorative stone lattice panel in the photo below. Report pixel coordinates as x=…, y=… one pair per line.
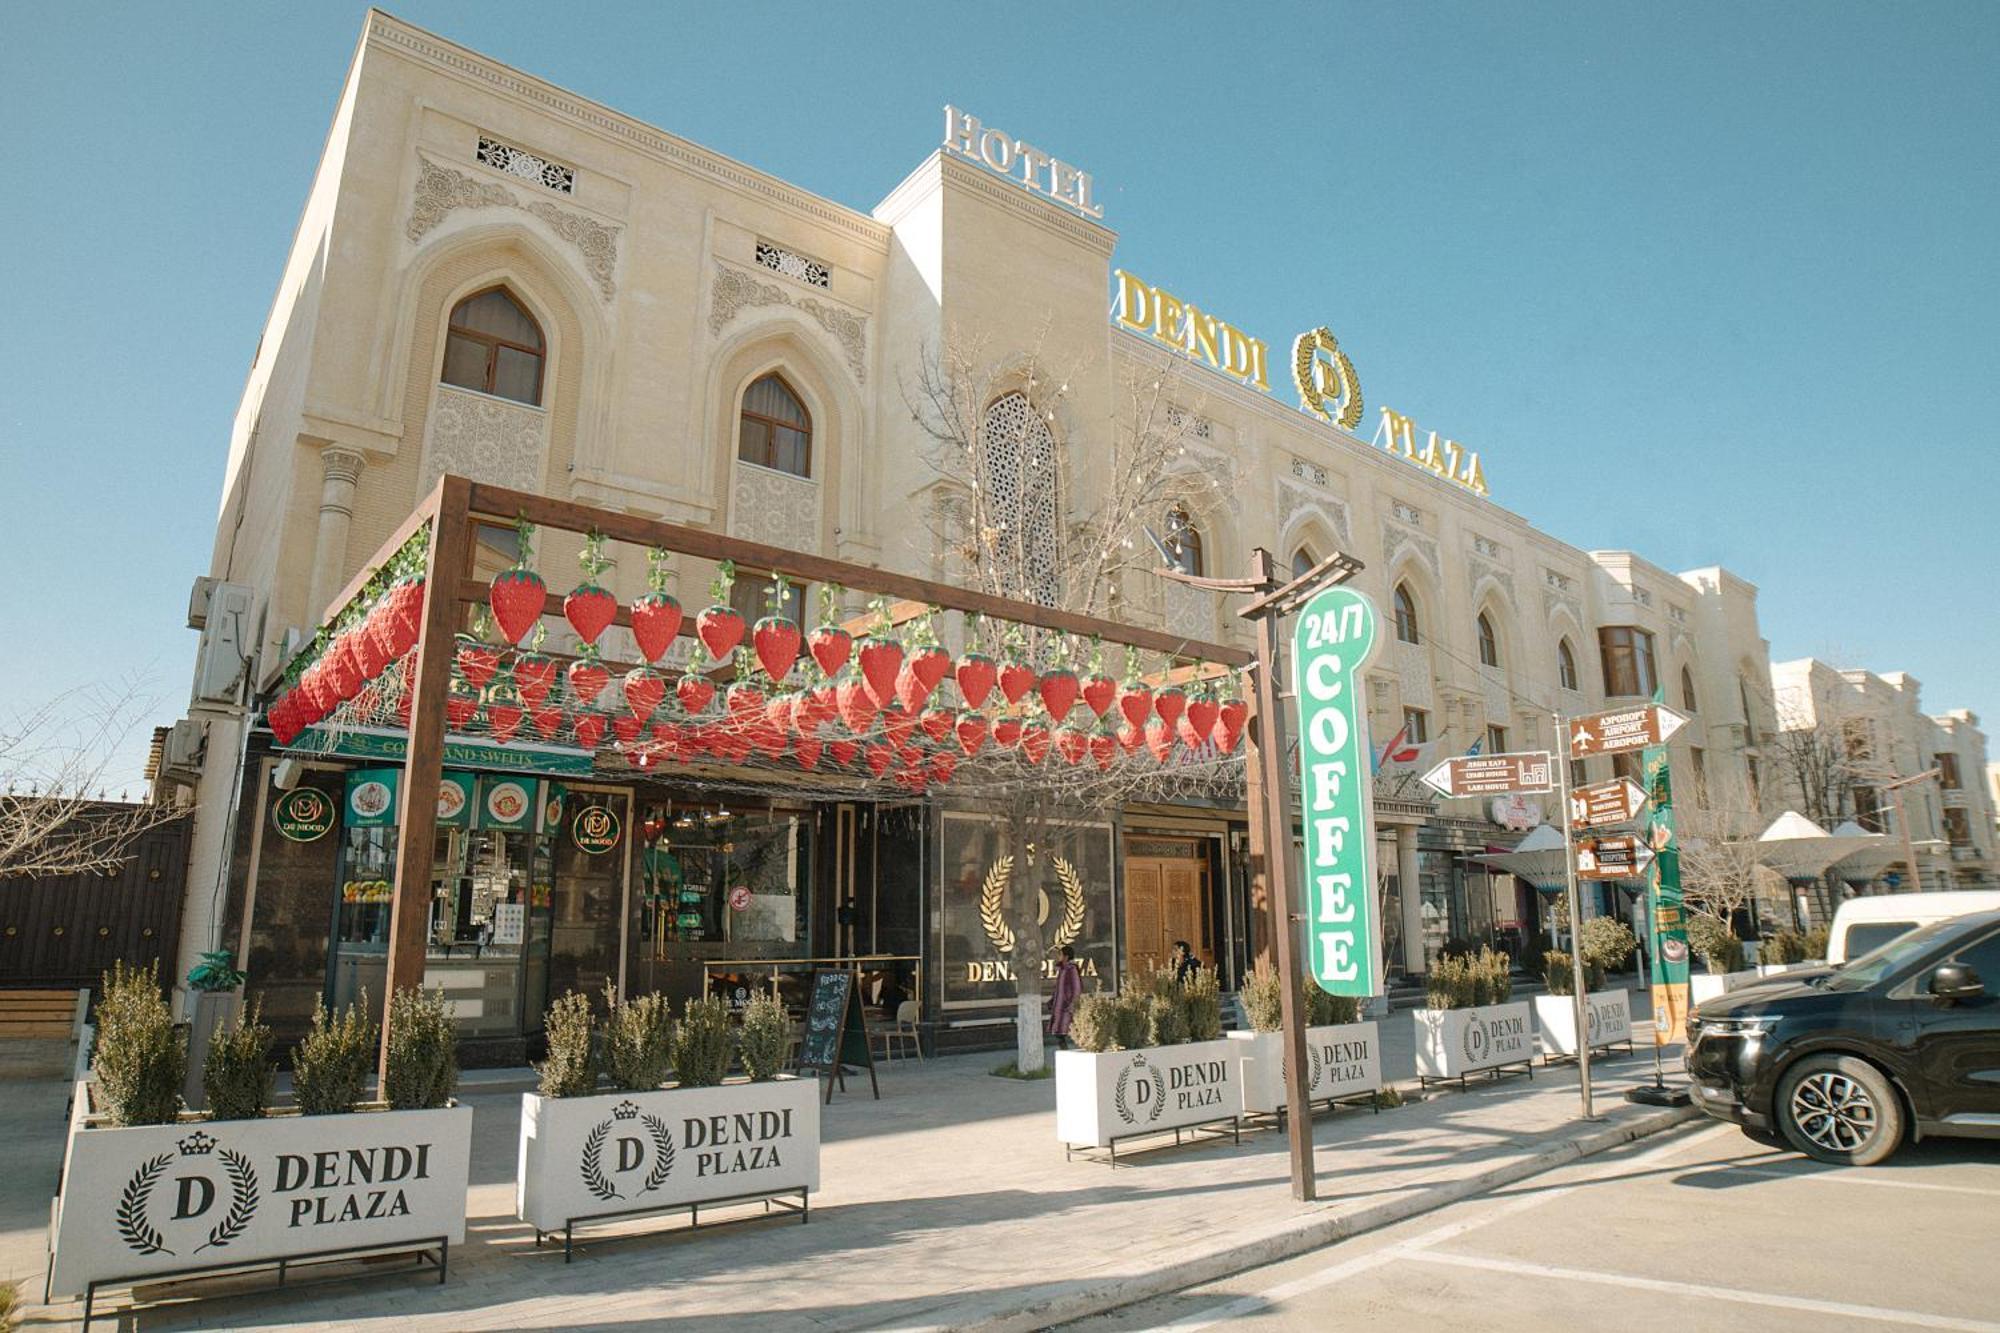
x=1021, y=489
x=440, y=190
x=1413, y=672
x=1407, y=514
x=774, y=507
x=1394, y=539
x=1312, y=473
x=1551, y=599
x=1477, y=571
x=485, y=438
x=734, y=292
x=1190, y=612
x=798, y=267
x=527, y=166
x=1294, y=500
x=1191, y=424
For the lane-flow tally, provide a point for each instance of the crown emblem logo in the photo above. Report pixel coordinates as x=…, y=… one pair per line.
x=197, y=1144
x=625, y=1110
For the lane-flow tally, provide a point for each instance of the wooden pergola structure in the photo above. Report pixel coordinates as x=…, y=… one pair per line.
x=456, y=507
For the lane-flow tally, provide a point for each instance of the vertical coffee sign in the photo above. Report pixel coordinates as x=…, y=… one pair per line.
x=1332, y=642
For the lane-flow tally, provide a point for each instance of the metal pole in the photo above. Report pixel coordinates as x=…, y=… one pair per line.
x=1575, y=923
x=1277, y=850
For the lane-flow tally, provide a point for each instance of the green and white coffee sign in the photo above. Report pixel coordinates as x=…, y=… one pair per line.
x=1332, y=642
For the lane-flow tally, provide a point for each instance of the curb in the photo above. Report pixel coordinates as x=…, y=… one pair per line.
x=1301, y=1235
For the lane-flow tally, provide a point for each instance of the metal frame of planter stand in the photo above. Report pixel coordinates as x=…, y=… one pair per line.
x=780, y=1197
x=1089, y=1154
x=1492, y=1073
x=1316, y=1104
x=1569, y=1057
x=420, y=1247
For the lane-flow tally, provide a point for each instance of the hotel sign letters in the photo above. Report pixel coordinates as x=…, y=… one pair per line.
x=1018, y=160
x=1332, y=642
x=1447, y=458
x=1183, y=326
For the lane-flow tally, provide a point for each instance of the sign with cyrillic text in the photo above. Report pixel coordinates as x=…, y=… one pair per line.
x=1331, y=643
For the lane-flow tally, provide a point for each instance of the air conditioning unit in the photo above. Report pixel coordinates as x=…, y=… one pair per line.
x=222, y=661
x=180, y=757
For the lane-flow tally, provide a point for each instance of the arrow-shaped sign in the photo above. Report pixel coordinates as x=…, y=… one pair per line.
x=1622, y=729
x=1604, y=803
x=1494, y=774
x=1620, y=857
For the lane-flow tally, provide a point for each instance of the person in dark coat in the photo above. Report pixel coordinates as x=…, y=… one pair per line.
x=1062, y=1005
x=1186, y=965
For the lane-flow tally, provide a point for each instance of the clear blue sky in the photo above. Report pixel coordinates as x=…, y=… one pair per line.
x=1737, y=264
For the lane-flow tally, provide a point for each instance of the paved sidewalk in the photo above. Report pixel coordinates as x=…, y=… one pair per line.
x=945, y=1204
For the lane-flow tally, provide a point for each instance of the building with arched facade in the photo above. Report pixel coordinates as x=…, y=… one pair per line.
x=495, y=278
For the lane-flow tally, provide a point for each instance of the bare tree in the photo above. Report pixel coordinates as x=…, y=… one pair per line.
x=1014, y=516
x=1828, y=747
x=1717, y=832
x=55, y=818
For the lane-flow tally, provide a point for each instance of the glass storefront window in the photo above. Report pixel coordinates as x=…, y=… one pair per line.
x=978, y=954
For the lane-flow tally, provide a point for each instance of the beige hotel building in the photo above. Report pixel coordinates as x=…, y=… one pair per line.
x=497, y=278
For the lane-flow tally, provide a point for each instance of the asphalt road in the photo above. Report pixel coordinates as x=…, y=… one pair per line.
x=1698, y=1230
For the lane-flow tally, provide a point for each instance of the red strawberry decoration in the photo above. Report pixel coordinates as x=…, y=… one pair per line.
x=548, y=722
x=504, y=719
x=720, y=629
x=1071, y=744
x=931, y=665
x=842, y=752
x=743, y=700
x=476, y=661
x=937, y=724
x=1136, y=703
x=977, y=674
x=626, y=728
x=781, y=710
x=644, y=689
x=1203, y=711
x=694, y=692
x=1015, y=682
x=1131, y=737
x=656, y=623
x=897, y=725
x=587, y=679
x=910, y=689
x=534, y=677
x=807, y=751
x=776, y=643
x=589, y=729
x=1035, y=743
x=1103, y=749
x=460, y=706
x=879, y=758
x=1099, y=691
x=1159, y=739
x=830, y=646
x=1059, y=691
x=880, y=660
x=1007, y=731
x=857, y=706
x=368, y=653
x=944, y=764
x=1191, y=737
x=1229, y=720
x=590, y=611
x=1169, y=704
x=971, y=730
x=516, y=598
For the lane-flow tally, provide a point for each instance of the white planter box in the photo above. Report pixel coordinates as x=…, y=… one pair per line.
x=1710, y=985
x=155, y=1199
x=1455, y=1042
x=1341, y=1061
x=1106, y=1095
x=620, y=1152
x=1609, y=1016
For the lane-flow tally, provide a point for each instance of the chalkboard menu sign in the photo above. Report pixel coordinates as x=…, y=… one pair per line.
x=836, y=1032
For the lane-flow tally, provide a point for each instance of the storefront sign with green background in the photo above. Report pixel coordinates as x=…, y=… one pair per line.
x=1331, y=643
x=458, y=752
x=304, y=814
x=507, y=803
x=371, y=797
x=455, y=801
x=596, y=830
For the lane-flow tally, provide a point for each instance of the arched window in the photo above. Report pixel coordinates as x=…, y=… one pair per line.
x=1023, y=479
x=1183, y=541
x=1687, y=690
x=1406, y=615
x=776, y=429
x=1489, y=645
x=494, y=346
x=1566, y=665
x=1302, y=562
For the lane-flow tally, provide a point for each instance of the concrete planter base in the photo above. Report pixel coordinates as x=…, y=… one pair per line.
x=1452, y=1043
x=1341, y=1061
x=1609, y=1016
x=1104, y=1097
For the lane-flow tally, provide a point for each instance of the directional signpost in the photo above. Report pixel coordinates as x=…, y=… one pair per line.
x=1603, y=803
x=1618, y=857
x=1494, y=774
x=1622, y=729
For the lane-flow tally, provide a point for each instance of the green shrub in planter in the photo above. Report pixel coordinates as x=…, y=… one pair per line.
x=1132, y=1015
x=422, y=1067
x=330, y=1067
x=1323, y=1010
x=1166, y=1021
x=639, y=1043
x=238, y=1076
x=1494, y=972
x=1607, y=944
x=1558, y=971
x=766, y=1038
x=571, y=1069
x=1783, y=946
x=1263, y=997
x=1201, y=1007
x=141, y=1056
x=1094, y=1025
x=1816, y=940
x=1718, y=946
x=702, y=1043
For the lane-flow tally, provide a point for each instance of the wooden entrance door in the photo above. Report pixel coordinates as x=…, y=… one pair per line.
x=1166, y=899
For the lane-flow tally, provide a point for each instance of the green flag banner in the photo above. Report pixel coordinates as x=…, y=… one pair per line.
x=1667, y=919
x=1331, y=643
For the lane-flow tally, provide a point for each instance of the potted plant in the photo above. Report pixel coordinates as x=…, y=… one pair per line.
x=149, y=1190
x=1149, y=1059
x=1343, y=1052
x=1607, y=944
x=1470, y=1021
x=218, y=1003
x=1781, y=951
x=1721, y=953
x=645, y=1143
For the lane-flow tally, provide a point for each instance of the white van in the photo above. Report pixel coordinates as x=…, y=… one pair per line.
x=1862, y=924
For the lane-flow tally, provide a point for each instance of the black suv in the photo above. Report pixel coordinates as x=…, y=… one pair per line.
x=1843, y=1064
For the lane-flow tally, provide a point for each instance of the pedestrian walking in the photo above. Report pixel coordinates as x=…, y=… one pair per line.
x=1186, y=965
x=1069, y=987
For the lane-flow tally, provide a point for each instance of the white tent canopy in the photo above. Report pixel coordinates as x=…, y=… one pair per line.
x=1537, y=858
x=1862, y=866
x=1797, y=848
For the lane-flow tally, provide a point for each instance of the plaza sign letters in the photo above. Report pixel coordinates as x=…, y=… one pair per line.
x=1332, y=642
x=1448, y=459
x=1019, y=160
x=1181, y=325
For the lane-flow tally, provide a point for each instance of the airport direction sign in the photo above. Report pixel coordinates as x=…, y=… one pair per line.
x=1494, y=774
x=1622, y=729
x=1604, y=803
x=1619, y=857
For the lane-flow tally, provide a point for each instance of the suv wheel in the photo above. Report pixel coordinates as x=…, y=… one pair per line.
x=1839, y=1109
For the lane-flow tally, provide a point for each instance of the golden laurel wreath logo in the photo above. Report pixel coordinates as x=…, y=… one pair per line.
x=1323, y=384
x=993, y=893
